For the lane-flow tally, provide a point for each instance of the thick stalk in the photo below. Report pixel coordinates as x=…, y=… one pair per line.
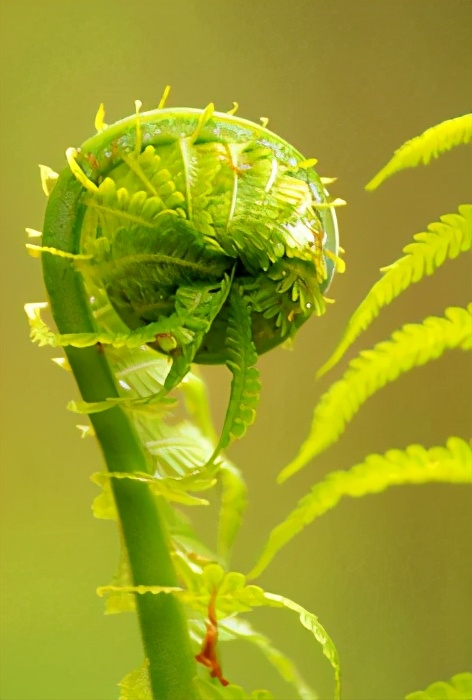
x=164, y=631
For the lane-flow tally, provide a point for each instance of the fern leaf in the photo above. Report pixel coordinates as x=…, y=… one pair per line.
x=245, y=385
x=430, y=144
x=119, y=602
x=233, y=596
x=458, y=688
x=411, y=346
x=236, y=628
x=415, y=465
x=196, y=402
x=176, y=450
x=172, y=489
x=233, y=505
x=313, y=625
x=444, y=240
x=196, y=306
x=141, y=371
x=136, y=685
x=207, y=690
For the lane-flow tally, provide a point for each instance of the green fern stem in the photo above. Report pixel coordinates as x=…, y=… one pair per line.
x=164, y=631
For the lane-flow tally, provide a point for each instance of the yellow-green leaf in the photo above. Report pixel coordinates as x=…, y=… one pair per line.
x=444, y=240
x=458, y=688
x=430, y=144
x=136, y=685
x=411, y=346
x=415, y=465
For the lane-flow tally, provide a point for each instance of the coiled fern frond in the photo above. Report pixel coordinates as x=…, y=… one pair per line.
x=176, y=237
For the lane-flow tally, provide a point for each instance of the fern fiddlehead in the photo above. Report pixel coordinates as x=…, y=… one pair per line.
x=198, y=237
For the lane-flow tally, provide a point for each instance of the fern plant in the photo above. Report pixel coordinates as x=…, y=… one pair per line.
x=178, y=237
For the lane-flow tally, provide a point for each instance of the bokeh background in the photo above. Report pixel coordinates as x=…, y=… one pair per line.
x=390, y=575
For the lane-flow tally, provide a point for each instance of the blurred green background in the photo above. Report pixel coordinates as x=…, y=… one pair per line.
x=389, y=576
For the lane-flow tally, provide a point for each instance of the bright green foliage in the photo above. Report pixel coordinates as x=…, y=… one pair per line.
x=233, y=505
x=196, y=307
x=195, y=396
x=189, y=210
x=136, y=685
x=103, y=506
x=459, y=688
x=41, y=334
x=236, y=628
x=245, y=386
x=411, y=346
x=190, y=236
x=430, y=144
x=119, y=601
x=415, y=465
x=214, y=691
x=174, y=489
x=444, y=240
x=234, y=596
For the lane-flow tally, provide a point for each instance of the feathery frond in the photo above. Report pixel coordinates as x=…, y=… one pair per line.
x=430, y=144
x=415, y=465
x=458, y=688
x=136, y=685
x=236, y=628
x=233, y=505
x=413, y=345
x=444, y=240
x=245, y=385
x=234, y=596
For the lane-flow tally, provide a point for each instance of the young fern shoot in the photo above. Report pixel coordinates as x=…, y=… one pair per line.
x=175, y=237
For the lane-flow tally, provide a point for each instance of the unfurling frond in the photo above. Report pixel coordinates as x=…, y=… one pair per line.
x=430, y=144
x=444, y=240
x=411, y=346
x=415, y=465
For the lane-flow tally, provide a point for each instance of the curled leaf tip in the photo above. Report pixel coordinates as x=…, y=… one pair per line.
x=33, y=309
x=99, y=119
x=48, y=179
x=71, y=155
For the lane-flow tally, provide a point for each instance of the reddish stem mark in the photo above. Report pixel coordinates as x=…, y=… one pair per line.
x=92, y=161
x=208, y=656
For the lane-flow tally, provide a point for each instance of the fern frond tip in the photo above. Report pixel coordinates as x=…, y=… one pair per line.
x=423, y=148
